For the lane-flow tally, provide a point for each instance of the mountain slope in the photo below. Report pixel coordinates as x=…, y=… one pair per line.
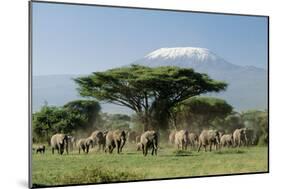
x=57, y=90
x=247, y=87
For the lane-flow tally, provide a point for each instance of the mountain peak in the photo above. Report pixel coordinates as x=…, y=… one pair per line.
x=195, y=53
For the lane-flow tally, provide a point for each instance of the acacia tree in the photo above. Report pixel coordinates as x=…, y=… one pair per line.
x=150, y=92
x=201, y=112
x=85, y=110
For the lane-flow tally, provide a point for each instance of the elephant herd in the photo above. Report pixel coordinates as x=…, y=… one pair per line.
x=107, y=141
x=210, y=138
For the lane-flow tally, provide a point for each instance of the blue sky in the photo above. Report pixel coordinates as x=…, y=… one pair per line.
x=70, y=39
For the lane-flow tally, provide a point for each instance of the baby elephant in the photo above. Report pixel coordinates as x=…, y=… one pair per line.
x=40, y=149
x=85, y=144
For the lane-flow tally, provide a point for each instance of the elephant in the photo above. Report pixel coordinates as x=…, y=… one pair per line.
x=149, y=139
x=250, y=135
x=193, y=140
x=240, y=137
x=172, y=137
x=115, y=139
x=98, y=138
x=209, y=137
x=40, y=149
x=181, y=139
x=132, y=136
x=221, y=133
x=226, y=140
x=138, y=139
x=85, y=144
x=59, y=142
x=71, y=142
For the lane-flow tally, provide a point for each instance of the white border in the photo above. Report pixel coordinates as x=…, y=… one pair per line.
x=14, y=92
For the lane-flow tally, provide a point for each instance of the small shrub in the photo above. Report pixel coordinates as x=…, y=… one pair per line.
x=182, y=153
x=230, y=152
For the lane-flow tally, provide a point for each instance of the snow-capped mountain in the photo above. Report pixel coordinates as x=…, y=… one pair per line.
x=192, y=55
x=197, y=58
x=247, y=87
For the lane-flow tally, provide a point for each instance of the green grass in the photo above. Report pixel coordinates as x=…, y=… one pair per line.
x=96, y=167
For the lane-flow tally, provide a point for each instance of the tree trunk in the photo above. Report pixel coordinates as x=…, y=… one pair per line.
x=145, y=123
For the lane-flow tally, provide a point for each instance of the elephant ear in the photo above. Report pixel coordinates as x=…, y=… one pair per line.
x=61, y=141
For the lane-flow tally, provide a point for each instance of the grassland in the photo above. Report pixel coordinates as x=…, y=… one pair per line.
x=98, y=167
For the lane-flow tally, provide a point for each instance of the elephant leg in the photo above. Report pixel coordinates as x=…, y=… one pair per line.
x=146, y=149
x=53, y=149
x=79, y=150
x=210, y=147
x=200, y=145
x=61, y=150
x=117, y=145
x=103, y=146
x=142, y=147
x=205, y=147
x=111, y=149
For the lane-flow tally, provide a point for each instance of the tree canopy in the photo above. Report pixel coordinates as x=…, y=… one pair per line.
x=258, y=121
x=75, y=115
x=201, y=111
x=150, y=92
